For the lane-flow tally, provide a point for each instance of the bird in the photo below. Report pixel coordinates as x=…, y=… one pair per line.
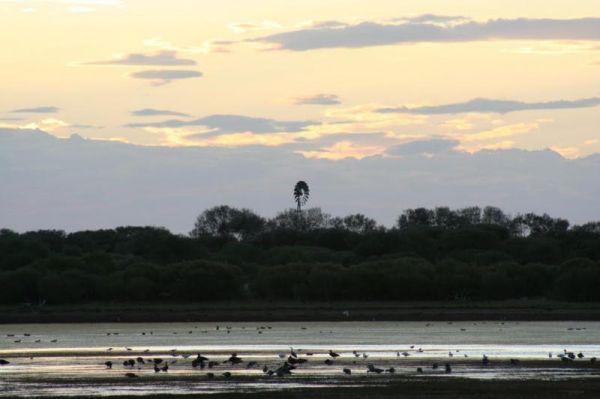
x=234, y=359
x=372, y=369
x=165, y=368
x=347, y=371
x=294, y=360
x=391, y=370
x=284, y=369
x=328, y=362
x=485, y=361
x=201, y=358
x=419, y=370
x=156, y=369
x=333, y=354
x=580, y=355
x=448, y=368
x=157, y=361
x=4, y=362
x=108, y=364
x=435, y=366
x=140, y=360
x=593, y=360
x=292, y=352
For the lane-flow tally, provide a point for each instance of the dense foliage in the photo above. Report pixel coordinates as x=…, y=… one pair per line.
x=431, y=254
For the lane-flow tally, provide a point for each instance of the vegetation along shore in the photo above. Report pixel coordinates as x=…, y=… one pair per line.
x=236, y=265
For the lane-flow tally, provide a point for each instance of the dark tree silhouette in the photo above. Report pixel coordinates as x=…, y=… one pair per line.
x=301, y=194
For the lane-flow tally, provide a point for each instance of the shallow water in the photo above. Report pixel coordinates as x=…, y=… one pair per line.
x=68, y=359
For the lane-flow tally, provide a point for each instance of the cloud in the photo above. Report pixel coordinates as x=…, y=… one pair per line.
x=369, y=33
x=477, y=141
x=420, y=147
x=209, y=46
x=223, y=124
x=243, y=27
x=165, y=76
x=161, y=58
x=37, y=110
x=343, y=150
x=47, y=124
x=157, y=112
x=85, y=126
x=318, y=99
x=495, y=106
x=433, y=19
x=114, y=184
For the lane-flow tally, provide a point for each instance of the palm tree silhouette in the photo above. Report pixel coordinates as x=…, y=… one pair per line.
x=301, y=194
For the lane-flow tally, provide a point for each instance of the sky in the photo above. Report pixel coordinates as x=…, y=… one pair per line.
x=324, y=80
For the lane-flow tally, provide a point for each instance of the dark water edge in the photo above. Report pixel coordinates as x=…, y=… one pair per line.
x=448, y=388
x=514, y=310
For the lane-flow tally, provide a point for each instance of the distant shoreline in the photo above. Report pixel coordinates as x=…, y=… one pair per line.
x=522, y=310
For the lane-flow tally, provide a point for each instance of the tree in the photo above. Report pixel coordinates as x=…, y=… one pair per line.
x=225, y=221
x=416, y=217
x=301, y=194
x=303, y=220
x=357, y=223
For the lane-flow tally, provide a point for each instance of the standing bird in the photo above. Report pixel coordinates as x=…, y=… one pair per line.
x=108, y=364
x=333, y=354
x=485, y=361
x=347, y=371
x=234, y=359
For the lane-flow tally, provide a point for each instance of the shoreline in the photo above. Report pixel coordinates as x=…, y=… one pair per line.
x=417, y=388
x=523, y=310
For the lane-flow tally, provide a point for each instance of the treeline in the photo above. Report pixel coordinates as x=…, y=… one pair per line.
x=235, y=254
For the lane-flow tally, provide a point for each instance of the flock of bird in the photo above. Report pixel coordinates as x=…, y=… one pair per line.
x=292, y=360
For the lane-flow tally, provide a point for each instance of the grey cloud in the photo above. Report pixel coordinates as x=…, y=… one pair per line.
x=491, y=105
x=318, y=99
x=157, y=112
x=434, y=18
x=223, y=124
x=38, y=110
x=114, y=184
x=162, y=58
x=164, y=76
x=418, y=147
x=370, y=33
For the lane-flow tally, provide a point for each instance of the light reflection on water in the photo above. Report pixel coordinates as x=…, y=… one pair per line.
x=42, y=357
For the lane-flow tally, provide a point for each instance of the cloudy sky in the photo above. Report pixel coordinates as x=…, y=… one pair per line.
x=332, y=80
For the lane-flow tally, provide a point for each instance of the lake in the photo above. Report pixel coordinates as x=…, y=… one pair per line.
x=69, y=359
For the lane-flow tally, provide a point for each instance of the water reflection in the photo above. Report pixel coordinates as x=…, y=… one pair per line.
x=43, y=357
